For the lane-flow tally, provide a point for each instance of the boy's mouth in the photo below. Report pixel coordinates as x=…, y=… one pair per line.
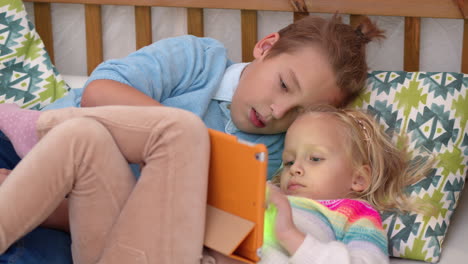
x=256, y=119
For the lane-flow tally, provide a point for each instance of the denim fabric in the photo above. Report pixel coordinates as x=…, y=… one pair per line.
x=42, y=245
x=8, y=157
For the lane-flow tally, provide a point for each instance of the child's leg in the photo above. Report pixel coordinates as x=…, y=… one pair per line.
x=164, y=217
x=78, y=158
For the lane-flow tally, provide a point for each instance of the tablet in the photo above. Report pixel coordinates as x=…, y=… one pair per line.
x=236, y=197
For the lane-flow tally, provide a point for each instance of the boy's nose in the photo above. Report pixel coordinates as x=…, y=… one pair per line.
x=280, y=110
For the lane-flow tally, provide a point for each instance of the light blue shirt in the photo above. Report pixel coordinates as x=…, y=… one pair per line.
x=185, y=72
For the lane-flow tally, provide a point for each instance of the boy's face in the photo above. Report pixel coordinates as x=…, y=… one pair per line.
x=316, y=163
x=271, y=92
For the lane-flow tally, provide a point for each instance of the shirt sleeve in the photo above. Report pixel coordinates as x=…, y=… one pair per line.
x=169, y=67
x=313, y=251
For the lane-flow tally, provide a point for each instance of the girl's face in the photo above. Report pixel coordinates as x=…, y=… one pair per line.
x=316, y=162
x=271, y=92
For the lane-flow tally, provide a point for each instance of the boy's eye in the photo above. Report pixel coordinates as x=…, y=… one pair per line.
x=283, y=86
x=299, y=109
x=288, y=163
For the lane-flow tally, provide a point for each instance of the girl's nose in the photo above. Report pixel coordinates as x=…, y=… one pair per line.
x=296, y=169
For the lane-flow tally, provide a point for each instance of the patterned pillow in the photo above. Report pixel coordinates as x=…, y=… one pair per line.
x=27, y=76
x=432, y=109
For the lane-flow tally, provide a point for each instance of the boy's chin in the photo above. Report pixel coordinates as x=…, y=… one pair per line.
x=257, y=130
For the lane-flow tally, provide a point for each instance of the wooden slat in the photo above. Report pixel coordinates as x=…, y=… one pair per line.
x=354, y=20
x=43, y=22
x=144, y=35
x=195, y=25
x=412, y=43
x=300, y=9
x=464, y=62
x=94, y=53
x=249, y=34
x=407, y=8
x=463, y=7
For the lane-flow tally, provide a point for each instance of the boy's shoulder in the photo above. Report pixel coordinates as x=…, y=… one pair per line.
x=193, y=40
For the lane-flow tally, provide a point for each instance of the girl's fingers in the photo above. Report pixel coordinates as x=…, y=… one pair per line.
x=277, y=197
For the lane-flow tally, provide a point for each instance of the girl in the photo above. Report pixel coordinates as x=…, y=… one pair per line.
x=339, y=169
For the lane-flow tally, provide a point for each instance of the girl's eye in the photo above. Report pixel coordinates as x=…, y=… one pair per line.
x=315, y=159
x=288, y=163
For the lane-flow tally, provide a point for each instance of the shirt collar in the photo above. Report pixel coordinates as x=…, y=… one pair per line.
x=229, y=82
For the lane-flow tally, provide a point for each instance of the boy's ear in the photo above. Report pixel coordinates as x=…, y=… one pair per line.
x=262, y=47
x=361, y=179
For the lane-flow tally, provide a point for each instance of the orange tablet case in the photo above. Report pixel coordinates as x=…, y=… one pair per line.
x=236, y=197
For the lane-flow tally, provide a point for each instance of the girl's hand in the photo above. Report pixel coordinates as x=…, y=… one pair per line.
x=286, y=231
x=3, y=174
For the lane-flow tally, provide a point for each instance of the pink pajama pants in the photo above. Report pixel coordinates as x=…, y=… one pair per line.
x=84, y=153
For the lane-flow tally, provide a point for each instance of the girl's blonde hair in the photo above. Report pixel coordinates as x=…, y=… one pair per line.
x=392, y=169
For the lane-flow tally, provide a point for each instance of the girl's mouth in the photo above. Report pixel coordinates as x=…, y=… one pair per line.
x=294, y=186
x=256, y=119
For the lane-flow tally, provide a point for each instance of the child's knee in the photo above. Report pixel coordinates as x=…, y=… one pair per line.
x=81, y=128
x=190, y=123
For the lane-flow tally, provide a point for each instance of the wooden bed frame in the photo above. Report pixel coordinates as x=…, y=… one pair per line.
x=412, y=10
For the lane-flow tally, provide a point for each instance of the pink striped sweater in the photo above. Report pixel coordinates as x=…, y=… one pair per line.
x=337, y=231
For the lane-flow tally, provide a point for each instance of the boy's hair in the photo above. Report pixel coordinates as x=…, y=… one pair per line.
x=344, y=45
x=392, y=169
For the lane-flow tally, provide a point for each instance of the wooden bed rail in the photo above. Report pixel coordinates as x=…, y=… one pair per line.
x=412, y=10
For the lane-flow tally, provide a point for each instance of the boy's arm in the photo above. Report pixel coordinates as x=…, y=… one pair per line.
x=159, y=72
x=109, y=92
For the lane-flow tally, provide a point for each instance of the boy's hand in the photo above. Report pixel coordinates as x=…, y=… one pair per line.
x=3, y=174
x=286, y=231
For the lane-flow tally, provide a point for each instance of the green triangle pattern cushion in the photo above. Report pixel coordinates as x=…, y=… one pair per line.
x=431, y=108
x=27, y=75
